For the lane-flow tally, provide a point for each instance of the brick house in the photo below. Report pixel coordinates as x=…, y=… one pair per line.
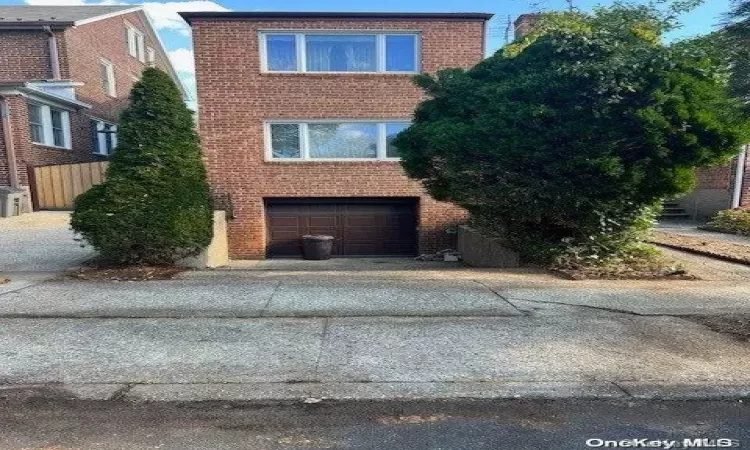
x=719, y=187
x=296, y=114
x=65, y=75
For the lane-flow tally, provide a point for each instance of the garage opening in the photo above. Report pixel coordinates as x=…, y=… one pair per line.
x=360, y=226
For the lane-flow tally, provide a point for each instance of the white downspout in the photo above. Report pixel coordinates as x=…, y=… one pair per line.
x=739, y=176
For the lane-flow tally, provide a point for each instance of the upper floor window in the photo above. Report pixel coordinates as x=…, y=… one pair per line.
x=108, y=78
x=49, y=126
x=136, y=43
x=150, y=56
x=105, y=137
x=340, y=52
x=332, y=140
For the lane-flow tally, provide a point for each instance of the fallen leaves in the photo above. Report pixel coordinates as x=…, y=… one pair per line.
x=126, y=273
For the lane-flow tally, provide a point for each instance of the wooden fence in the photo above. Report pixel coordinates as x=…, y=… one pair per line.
x=56, y=187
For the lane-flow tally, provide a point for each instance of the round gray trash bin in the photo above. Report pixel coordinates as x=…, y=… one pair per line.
x=317, y=247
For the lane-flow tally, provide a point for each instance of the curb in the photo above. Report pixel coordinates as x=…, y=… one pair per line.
x=706, y=253
x=379, y=391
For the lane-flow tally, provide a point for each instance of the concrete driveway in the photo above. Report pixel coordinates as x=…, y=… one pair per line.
x=39, y=242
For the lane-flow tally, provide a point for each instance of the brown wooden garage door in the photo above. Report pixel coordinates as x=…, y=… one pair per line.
x=361, y=227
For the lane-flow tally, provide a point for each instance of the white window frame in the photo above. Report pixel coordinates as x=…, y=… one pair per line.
x=49, y=137
x=301, y=48
x=101, y=139
x=110, y=83
x=304, y=139
x=150, y=55
x=136, y=43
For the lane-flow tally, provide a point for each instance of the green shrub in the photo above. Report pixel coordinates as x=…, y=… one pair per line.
x=567, y=141
x=735, y=221
x=155, y=205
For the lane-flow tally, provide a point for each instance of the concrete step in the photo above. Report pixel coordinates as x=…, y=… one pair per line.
x=675, y=216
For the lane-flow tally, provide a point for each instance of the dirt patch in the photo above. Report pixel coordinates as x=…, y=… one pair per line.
x=736, y=325
x=4, y=280
x=126, y=273
x=715, y=248
x=652, y=266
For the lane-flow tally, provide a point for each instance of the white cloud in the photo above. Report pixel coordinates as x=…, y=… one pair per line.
x=182, y=60
x=165, y=17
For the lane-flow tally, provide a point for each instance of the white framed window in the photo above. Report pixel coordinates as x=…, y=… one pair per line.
x=108, y=78
x=340, y=51
x=136, y=43
x=49, y=126
x=150, y=56
x=332, y=140
x=104, y=137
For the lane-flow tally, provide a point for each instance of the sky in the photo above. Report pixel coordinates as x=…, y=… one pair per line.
x=175, y=33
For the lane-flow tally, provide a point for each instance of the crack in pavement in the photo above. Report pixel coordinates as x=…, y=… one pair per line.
x=598, y=308
x=270, y=298
x=323, y=344
x=522, y=312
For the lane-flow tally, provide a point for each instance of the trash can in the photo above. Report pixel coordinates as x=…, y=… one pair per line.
x=317, y=247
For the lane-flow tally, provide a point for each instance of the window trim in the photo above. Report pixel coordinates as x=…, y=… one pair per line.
x=301, y=48
x=150, y=56
x=138, y=48
x=99, y=141
x=304, y=139
x=47, y=131
x=111, y=85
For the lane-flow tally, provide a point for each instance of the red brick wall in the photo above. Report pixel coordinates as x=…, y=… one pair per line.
x=4, y=170
x=80, y=50
x=235, y=98
x=19, y=115
x=88, y=44
x=24, y=55
x=722, y=177
x=718, y=177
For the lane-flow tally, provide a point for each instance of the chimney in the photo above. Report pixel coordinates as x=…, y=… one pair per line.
x=524, y=24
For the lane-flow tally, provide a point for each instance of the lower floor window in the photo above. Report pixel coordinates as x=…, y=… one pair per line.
x=332, y=140
x=105, y=137
x=49, y=126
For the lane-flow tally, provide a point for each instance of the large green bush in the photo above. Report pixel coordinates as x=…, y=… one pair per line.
x=568, y=139
x=155, y=205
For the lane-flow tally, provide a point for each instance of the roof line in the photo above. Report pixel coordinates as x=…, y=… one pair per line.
x=172, y=71
x=36, y=25
x=29, y=89
x=107, y=16
x=188, y=16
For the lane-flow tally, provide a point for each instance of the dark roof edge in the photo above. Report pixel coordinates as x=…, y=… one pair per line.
x=30, y=25
x=188, y=16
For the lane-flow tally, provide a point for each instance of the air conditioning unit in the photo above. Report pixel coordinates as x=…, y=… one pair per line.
x=10, y=202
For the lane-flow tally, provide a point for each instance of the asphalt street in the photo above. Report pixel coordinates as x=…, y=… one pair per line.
x=468, y=425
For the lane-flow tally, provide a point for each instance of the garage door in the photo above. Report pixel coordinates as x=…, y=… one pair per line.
x=361, y=227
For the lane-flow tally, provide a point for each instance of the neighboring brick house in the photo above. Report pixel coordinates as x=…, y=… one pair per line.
x=65, y=75
x=719, y=187
x=296, y=113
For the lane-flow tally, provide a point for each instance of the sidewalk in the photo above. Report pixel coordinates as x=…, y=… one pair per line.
x=288, y=334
